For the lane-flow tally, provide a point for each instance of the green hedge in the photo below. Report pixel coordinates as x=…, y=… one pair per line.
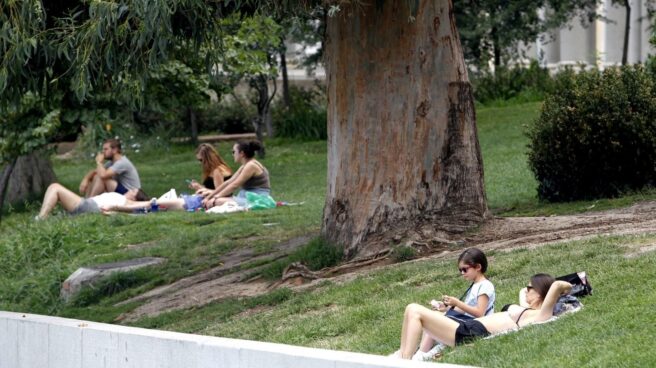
x=306, y=116
x=596, y=135
x=518, y=83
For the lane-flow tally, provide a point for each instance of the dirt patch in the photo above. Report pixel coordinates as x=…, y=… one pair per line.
x=224, y=281
x=228, y=281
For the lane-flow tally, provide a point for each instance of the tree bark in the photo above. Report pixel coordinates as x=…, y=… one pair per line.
x=28, y=178
x=402, y=142
x=627, y=30
x=4, y=183
x=286, y=99
x=193, y=125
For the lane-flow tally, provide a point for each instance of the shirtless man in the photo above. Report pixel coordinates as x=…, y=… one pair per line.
x=542, y=293
x=116, y=175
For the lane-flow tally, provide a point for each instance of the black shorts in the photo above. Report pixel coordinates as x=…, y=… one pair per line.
x=469, y=330
x=120, y=189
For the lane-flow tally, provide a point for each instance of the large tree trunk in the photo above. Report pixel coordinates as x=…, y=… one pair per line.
x=402, y=142
x=30, y=177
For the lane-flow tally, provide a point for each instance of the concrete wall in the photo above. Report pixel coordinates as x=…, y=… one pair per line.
x=33, y=341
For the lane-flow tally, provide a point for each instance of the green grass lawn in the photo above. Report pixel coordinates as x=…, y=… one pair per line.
x=363, y=315
x=615, y=328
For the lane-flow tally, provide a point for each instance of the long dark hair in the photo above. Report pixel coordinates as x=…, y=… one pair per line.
x=541, y=283
x=141, y=195
x=210, y=160
x=249, y=148
x=473, y=257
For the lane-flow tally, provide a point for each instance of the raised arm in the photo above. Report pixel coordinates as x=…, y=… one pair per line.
x=557, y=289
x=101, y=171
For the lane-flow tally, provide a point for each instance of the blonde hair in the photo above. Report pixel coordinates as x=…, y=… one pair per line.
x=211, y=160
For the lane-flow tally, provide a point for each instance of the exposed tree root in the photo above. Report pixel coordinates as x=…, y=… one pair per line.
x=228, y=281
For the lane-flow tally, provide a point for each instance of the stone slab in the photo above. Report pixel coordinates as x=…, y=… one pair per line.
x=86, y=276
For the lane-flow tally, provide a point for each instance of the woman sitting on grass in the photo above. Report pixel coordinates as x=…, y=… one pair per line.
x=75, y=205
x=251, y=177
x=478, y=300
x=215, y=169
x=541, y=296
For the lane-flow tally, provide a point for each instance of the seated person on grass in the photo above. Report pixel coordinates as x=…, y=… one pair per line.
x=215, y=169
x=116, y=175
x=542, y=294
x=75, y=205
x=251, y=177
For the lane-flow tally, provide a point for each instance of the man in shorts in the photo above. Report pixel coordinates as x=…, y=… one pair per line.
x=113, y=173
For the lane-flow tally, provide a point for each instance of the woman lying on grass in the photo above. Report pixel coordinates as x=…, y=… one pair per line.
x=185, y=203
x=541, y=296
x=75, y=205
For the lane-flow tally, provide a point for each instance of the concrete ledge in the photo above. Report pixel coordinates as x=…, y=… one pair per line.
x=30, y=341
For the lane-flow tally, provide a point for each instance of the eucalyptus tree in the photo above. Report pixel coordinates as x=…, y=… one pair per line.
x=402, y=147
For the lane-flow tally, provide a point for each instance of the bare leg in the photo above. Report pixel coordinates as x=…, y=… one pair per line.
x=100, y=186
x=418, y=318
x=96, y=187
x=176, y=204
x=426, y=343
x=57, y=193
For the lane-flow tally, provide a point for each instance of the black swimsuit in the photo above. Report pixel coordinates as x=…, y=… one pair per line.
x=520, y=316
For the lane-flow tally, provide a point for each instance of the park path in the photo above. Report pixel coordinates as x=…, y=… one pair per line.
x=505, y=234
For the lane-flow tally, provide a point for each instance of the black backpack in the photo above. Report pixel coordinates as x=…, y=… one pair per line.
x=580, y=283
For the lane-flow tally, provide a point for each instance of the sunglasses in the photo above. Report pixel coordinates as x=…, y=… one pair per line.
x=464, y=269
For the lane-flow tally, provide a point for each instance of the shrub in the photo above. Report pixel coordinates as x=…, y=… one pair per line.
x=596, y=135
x=306, y=116
x=518, y=82
x=227, y=117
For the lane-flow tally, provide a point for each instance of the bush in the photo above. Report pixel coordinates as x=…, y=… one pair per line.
x=521, y=83
x=596, y=135
x=306, y=116
x=228, y=117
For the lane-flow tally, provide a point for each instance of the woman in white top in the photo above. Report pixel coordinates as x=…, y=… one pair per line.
x=75, y=205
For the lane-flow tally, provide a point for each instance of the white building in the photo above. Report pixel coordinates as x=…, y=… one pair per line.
x=602, y=42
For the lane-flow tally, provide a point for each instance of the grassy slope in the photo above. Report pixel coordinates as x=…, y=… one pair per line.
x=38, y=256
x=363, y=315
